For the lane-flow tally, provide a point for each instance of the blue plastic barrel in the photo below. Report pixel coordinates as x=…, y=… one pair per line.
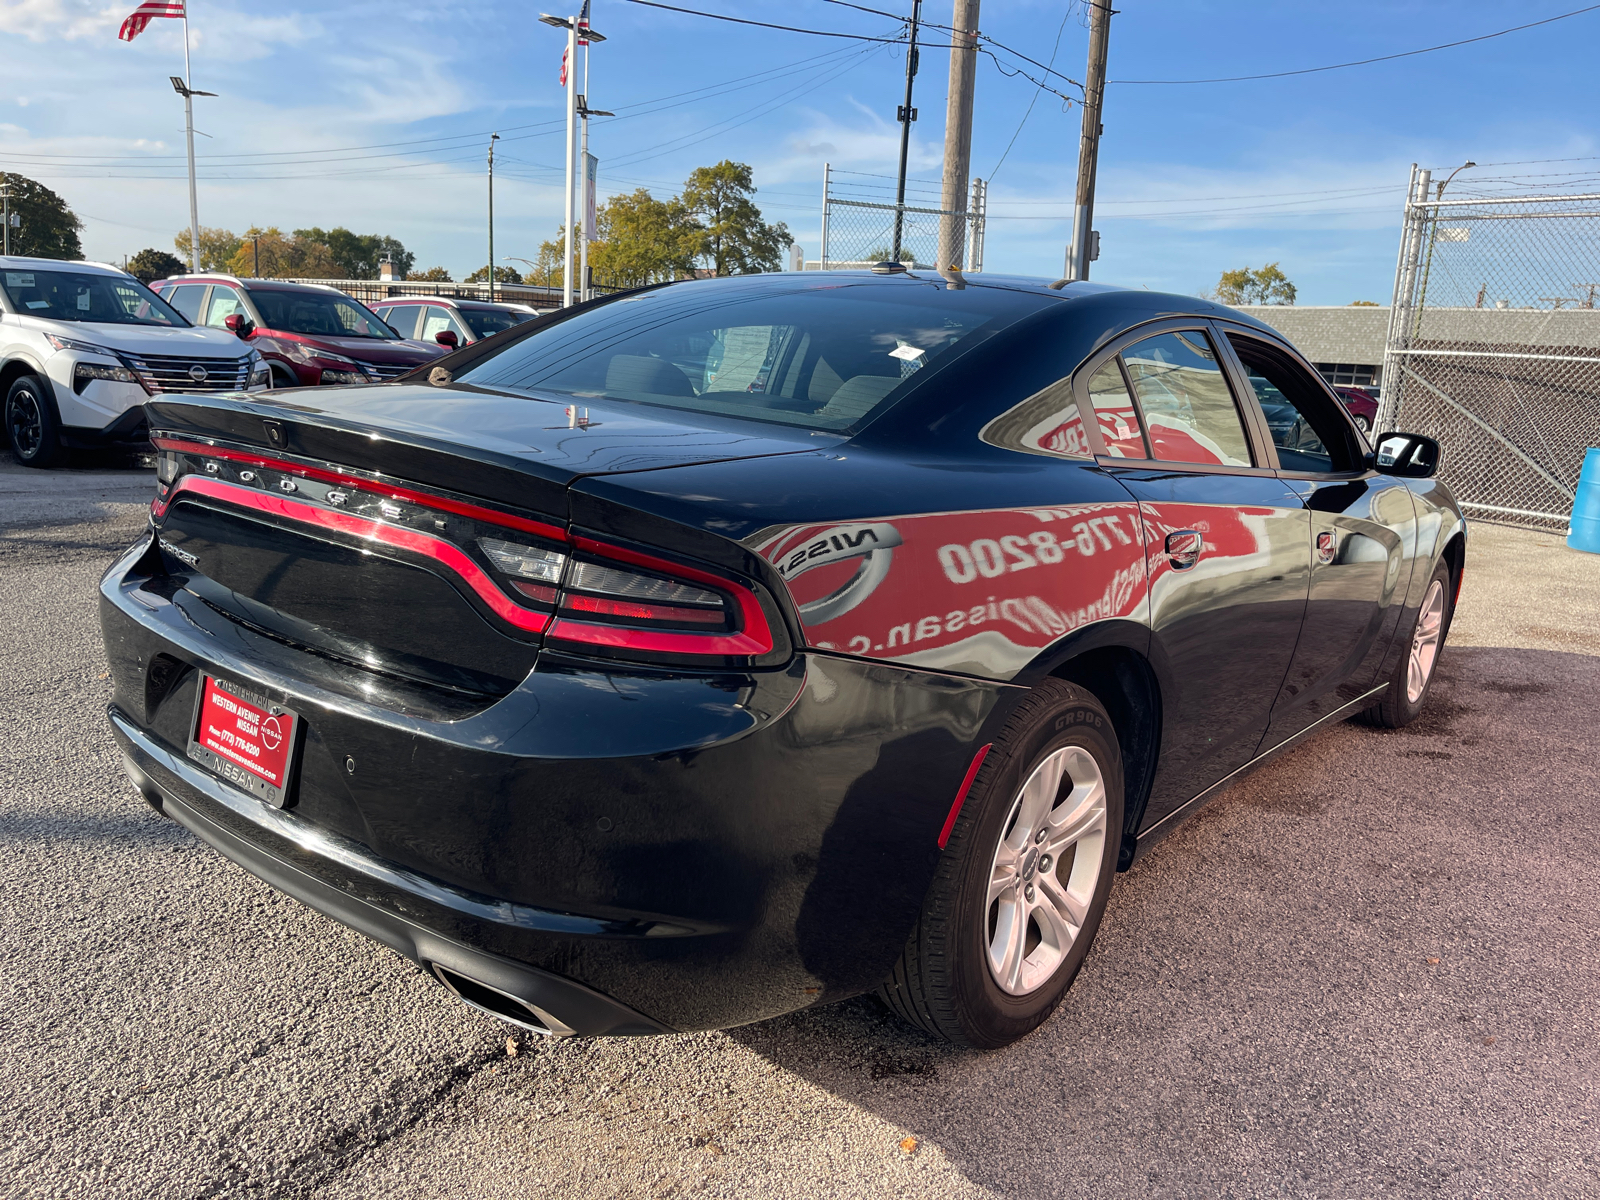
x=1585, y=532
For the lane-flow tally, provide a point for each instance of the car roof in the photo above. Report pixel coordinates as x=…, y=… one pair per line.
x=58, y=264
x=455, y=302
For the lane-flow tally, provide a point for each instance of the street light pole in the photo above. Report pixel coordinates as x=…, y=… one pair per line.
x=493, y=138
x=188, y=122
x=5, y=198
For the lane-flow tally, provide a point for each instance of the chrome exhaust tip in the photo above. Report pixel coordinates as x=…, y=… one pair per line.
x=476, y=994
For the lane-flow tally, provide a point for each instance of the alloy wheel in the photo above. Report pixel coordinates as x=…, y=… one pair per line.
x=24, y=422
x=1045, y=870
x=1425, y=642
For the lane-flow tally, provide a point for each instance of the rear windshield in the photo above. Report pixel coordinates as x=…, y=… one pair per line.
x=324, y=313
x=83, y=296
x=484, y=321
x=819, y=354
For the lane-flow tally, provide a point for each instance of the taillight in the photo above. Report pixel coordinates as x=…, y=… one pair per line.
x=532, y=571
x=628, y=596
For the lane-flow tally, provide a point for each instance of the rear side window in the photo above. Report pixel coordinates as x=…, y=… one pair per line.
x=186, y=299
x=823, y=355
x=1189, y=411
x=1115, y=414
x=402, y=318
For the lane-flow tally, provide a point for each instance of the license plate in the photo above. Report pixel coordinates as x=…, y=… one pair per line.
x=245, y=738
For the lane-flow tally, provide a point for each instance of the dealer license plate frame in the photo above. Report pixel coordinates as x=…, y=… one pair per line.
x=229, y=771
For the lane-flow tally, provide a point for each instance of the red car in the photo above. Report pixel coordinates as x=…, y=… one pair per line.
x=309, y=333
x=1363, y=406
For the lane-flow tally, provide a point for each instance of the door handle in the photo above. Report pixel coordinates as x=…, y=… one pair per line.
x=1183, y=548
x=1327, y=546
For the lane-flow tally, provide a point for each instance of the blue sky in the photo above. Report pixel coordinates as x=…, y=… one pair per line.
x=377, y=117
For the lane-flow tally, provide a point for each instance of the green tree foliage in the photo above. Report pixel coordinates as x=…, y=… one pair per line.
x=1268, y=285
x=641, y=240
x=358, y=254
x=1363, y=304
x=501, y=275
x=46, y=227
x=733, y=240
x=281, y=256
x=150, y=265
x=431, y=275
x=217, y=248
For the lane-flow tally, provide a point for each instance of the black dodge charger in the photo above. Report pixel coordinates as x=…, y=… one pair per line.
x=723, y=648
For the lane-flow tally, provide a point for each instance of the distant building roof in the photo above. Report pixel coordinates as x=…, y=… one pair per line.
x=1356, y=334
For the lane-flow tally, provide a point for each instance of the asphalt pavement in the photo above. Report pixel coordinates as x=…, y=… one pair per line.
x=1370, y=969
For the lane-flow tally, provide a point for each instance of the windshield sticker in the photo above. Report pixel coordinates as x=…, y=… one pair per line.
x=83, y=300
x=908, y=353
x=19, y=279
x=38, y=304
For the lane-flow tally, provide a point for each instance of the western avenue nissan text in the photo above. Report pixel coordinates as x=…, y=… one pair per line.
x=722, y=648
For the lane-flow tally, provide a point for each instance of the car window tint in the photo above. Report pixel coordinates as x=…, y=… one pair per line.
x=186, y=299
x=1304, y=420
x=224, y=303
x=402, y=318
x=1045, y=423
x=821, y=354
x=437, y=321
x=1188, y=408
x=1115, y=414
x=486, y=321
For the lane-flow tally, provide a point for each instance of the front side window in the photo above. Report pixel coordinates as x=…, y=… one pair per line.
x=1189, y=411
x=440, y=320
x=90, y=298
x=317, y=314
x=821, y=355
x=225, y=302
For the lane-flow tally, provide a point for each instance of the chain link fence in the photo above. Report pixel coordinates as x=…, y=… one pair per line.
x=1494, y=346
x=858, y=229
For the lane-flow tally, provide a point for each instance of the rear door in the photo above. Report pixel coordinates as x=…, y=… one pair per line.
x=1359, y=523
x=1229, y=546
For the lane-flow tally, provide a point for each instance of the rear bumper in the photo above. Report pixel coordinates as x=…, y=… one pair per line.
x=628, y=851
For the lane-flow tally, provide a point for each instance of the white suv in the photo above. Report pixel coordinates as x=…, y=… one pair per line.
x=83, y=346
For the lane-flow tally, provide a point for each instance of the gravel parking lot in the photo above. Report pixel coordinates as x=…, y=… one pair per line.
x=1372, y=968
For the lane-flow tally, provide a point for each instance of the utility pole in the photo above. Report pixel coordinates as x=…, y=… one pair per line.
x=493, y=138
x=905, y=116
x=1085, y=246
x=958, y=133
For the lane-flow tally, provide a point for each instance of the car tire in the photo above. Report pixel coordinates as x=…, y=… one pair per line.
x=33, y=431
x=1046, y=806
x=1413, y=675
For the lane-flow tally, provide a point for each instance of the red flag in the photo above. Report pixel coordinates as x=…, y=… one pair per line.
x=141, y=16
x=563, y=67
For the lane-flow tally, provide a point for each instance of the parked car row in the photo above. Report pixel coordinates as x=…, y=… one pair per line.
x=84, y=345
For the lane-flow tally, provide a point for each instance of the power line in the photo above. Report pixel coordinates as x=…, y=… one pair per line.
x=860, y=37
x=1032, y=100
x=1365, y=61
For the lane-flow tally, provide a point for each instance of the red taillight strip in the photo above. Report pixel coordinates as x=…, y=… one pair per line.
x=442, y=552
x=961, y=796
x=754, y=638
x=392, y=491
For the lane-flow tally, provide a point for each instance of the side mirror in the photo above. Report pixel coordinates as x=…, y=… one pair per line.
x=1409, y=455
x=238, y=323
x=447, y=338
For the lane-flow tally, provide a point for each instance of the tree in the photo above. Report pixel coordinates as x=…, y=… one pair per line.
x=217, y=248
x=431, y=275
x=501, y=275
x=1268, y=285
x=150, y=265
x=358, y=254
x=281, y=257
x=642, y=240
x=734, y=239
x=46, y=227
x=1363, y=304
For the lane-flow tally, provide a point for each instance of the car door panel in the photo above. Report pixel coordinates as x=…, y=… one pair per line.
x=1359, y=571
x=1225, y=628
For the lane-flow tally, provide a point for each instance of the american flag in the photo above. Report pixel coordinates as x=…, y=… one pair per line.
x=142, y=16
x=583, y=24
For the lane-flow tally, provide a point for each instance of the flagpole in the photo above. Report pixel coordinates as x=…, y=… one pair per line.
x=583, y=177
x=188, y=121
